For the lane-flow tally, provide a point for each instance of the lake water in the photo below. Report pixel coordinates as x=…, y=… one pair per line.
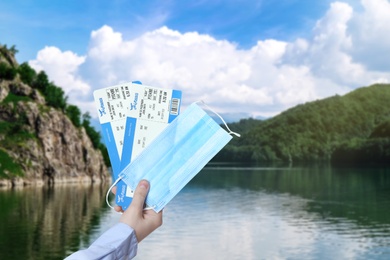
x=224, y=213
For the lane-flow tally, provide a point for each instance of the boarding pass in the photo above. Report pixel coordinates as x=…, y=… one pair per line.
x=131, y=115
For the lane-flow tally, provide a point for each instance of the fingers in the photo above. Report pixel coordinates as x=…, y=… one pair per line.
x=156, y=219
x=118, y=209
x=142, y=221
x=140, y=195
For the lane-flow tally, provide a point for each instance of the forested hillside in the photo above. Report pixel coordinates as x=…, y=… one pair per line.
x=354, y=128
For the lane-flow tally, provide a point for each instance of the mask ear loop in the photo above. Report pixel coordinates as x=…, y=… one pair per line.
x=108, y=193
x=212, y=110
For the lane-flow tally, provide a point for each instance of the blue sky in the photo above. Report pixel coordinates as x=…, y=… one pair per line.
x=32, y=25
x=246, y=58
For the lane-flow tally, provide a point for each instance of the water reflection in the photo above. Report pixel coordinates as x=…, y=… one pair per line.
x=47, y=223
x=224, y=213
x=278, y=213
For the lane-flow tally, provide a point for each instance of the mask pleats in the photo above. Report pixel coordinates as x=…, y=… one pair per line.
x=176, y=155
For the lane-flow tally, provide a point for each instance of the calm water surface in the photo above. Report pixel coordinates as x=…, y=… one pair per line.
x=224, y=213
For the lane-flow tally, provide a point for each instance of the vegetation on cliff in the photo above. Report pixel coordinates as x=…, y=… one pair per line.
x=22, y=88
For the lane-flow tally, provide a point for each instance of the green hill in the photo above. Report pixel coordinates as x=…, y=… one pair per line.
x=341, y=129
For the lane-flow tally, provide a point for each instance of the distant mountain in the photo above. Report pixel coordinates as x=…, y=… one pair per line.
x=42, y=138
x=353, y=128
x=235, y=117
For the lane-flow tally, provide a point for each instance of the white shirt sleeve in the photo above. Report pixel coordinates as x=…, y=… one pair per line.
x=119, y=242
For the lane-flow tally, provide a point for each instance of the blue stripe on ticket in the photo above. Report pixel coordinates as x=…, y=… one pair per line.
x=108, y=137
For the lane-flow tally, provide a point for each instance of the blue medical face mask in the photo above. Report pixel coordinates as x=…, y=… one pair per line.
x=174, y=157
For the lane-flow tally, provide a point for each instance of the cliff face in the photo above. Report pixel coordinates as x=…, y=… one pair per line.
x=42, y=141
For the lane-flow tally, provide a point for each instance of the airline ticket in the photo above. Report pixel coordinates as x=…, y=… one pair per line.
x=131, y=116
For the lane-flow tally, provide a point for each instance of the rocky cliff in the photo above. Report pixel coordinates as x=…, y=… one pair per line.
x=39, y=144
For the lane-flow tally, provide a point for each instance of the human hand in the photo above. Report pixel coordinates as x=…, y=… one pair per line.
x=142, y=221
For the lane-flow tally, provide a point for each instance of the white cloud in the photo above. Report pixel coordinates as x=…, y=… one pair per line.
x=325, y=54
x=370, y=32
x=330, y=53
x=62, y=68
x=346, y=50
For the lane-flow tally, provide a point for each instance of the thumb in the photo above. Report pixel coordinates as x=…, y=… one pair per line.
x=140, y=194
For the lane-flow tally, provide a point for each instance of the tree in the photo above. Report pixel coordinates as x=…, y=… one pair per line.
x=41, y=82
x=92, y=133
x=55, y=96
x=73, y=112
x=27, y=74
x=7, y=72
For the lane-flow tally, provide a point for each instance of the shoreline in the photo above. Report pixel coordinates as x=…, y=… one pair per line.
x=20, y=183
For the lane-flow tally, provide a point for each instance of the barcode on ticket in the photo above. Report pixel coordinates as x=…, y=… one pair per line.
x=175, y=106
